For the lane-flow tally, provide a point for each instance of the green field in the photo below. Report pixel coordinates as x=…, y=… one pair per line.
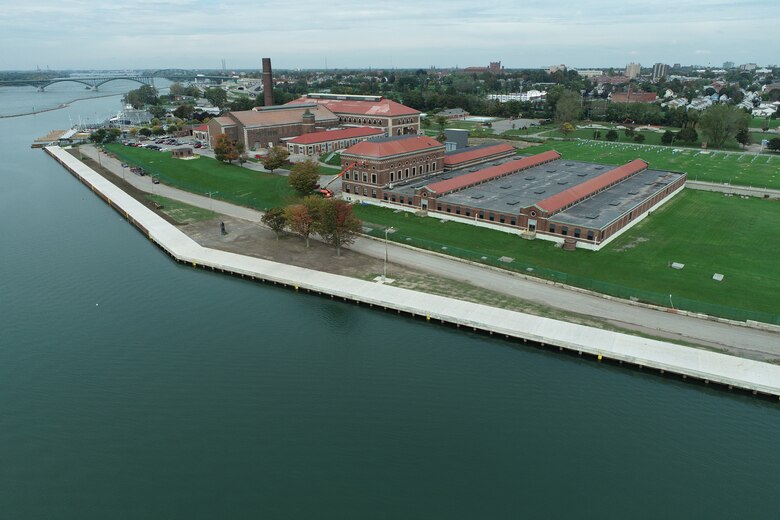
x=204, y=175
x=696, y=228
x=715, y=166
x=181, y=212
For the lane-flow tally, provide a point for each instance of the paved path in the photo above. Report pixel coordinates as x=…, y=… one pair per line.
x=761, y=343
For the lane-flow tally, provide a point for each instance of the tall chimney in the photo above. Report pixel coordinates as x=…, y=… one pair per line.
x=268, y=83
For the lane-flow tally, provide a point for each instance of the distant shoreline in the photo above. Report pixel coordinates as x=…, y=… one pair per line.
x=61, y=105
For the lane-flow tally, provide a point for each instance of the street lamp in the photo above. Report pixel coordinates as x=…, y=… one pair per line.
x=384, y=272
x=210, y=194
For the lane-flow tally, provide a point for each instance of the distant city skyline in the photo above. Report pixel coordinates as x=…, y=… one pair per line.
x=83, y=34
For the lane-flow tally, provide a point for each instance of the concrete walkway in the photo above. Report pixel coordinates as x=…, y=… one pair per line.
x=674, y=326
x=686, y=361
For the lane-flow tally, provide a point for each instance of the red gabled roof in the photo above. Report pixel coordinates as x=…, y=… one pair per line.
x=382, y=107
x=335, y=135
x=201, y=128
x=469, y=155
x=576, y=193
x=393, y=146
x=470, y=179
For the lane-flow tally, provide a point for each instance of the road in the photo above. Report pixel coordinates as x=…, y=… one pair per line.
x=761, y=343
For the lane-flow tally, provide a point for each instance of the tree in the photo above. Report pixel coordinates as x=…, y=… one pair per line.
x=145, y=131
x=568, y=107
x=276, y=157
x=304, y=176
x=276, y=219
x=774, y=144
x=183, y=111
x=719, y=123
x=225, y=149
x=216, y=96
x=743, y=137
x=629, y=132
x=688, y=135
x=157, y=111
x=302, y=217
x=337, y=225
x=612, y=135
x=639, y=138
x=567, y=128
x=667, y=138
x=441, y=122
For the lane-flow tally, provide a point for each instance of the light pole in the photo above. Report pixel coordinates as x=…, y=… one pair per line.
x=211, y=199
x=384, y=272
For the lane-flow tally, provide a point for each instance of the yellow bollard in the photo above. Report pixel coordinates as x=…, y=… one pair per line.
x=599, y=357
x=296, y=287
x=427, y=317
x=194, y=264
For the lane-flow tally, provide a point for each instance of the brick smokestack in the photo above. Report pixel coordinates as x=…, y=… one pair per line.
x=268, y=83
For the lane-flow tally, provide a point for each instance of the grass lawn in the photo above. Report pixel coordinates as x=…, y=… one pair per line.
x=716, y=166
x=181, y=212
x=697, y=229
x=758, y=122
x=203, y=175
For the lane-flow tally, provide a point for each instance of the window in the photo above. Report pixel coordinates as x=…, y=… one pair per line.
x=384, y=196
x=513, y=221
x=449, y=210
x=457, y=210
x=365, y=177
x=406, y=173
x=373, y=193
x=564, y=230
x=373, y=178
x=346, y=188
x=346, y=176
x=414, y=171
x=501, y=219
x=438, y=207
x=392, y=198
x=481, y=214
x=552, y=228
x=590, y=235
x=468, y=212
x=391, y=176
x=577, y=232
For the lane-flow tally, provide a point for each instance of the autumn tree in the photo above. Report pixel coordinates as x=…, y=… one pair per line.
x=276, y=157
x=276, y=219
x=567, y=128
x=302, y=217
x=304, y=177
x=337, y=225
x=225, y=150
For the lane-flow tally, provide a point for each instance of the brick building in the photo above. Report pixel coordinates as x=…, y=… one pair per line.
x=374, y=111
x=381, y=163
x=318, y=143
x=475, y=155
x=263, y=127
x=543, y=196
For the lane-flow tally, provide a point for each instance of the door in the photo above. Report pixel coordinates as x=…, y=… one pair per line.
x=531, y=225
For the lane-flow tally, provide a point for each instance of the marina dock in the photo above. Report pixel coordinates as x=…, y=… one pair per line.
x=603, y=345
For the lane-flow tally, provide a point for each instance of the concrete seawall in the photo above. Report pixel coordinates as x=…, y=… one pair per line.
x=700, y=364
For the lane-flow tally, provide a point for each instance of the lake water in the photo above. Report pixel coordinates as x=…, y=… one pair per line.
x=133, y=387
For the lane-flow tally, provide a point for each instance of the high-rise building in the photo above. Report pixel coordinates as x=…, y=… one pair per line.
x=660, y=71
x=728, y=65
x=633, y=70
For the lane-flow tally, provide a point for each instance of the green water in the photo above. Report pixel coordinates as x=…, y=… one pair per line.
x=133, y=387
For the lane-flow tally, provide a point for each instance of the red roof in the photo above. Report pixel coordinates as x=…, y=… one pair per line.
x=633, y=97
x=335, y=135
x=382, y=107
x=393, y=146
x=480, y=153
x=201, y=128
x=576, y=193
x=470, y=179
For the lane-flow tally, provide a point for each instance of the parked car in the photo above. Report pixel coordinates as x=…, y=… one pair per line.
x=155, y=180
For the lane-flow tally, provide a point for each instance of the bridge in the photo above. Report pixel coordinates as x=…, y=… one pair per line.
x=94, y=82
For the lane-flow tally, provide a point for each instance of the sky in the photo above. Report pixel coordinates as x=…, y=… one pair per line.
x=146, y=34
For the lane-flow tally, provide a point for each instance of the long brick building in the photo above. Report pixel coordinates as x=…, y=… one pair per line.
x=543, y=196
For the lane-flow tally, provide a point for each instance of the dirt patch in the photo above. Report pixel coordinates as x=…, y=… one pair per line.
x=631, y=245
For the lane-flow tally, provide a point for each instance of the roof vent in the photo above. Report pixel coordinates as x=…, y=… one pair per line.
x=539, y=192
x=563, y=182
x=592, y=217
x=505, y=186
x=477, y=197
x=530, y=178
x=598, y=168
x=551, y=171
x=614, y=203
x=633, y=193
x=513, y=203
x=582, y=174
